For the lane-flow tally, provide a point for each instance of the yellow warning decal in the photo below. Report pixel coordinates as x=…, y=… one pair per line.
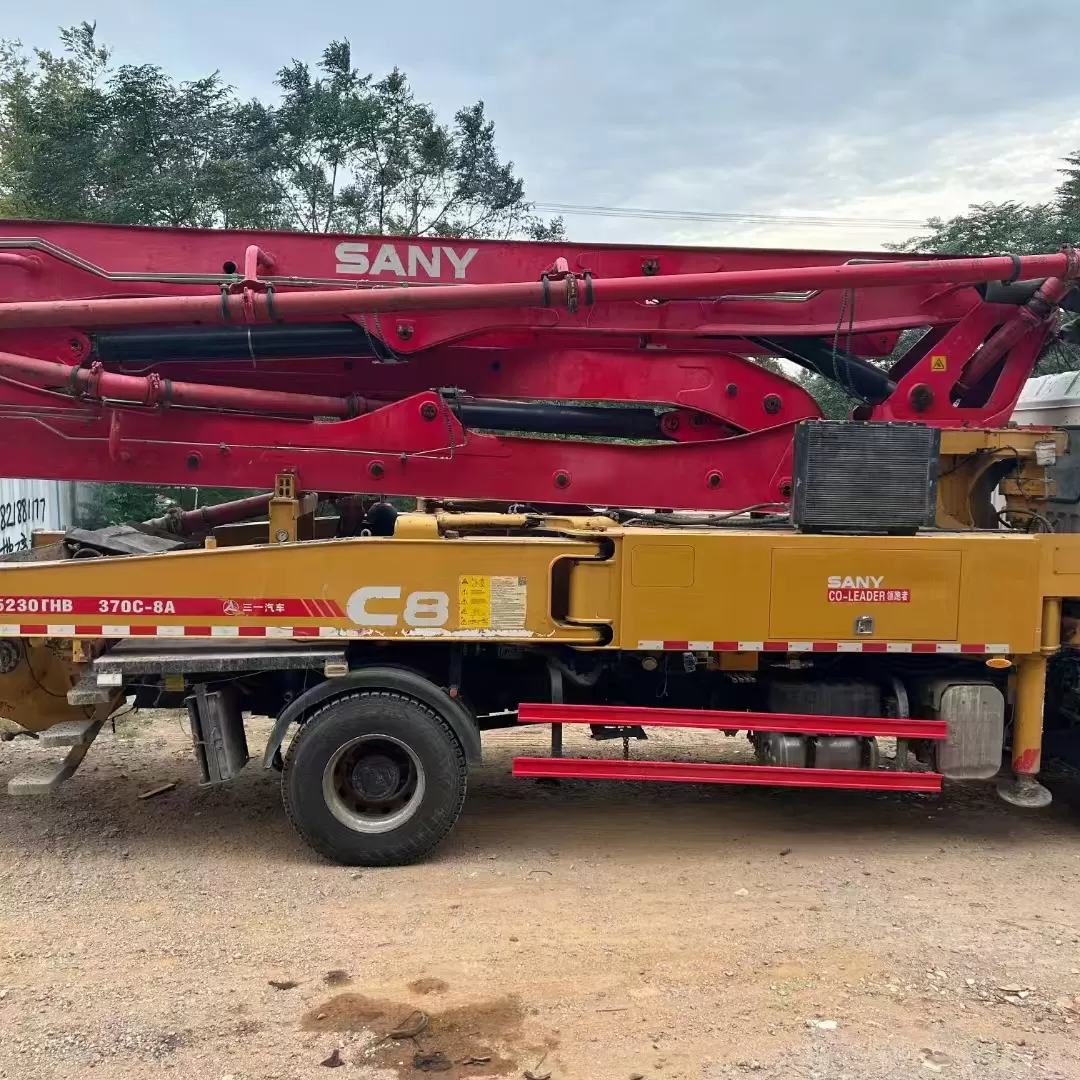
x=474, y=602
x=939, y=362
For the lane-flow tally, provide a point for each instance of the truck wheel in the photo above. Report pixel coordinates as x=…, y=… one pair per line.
x=374, y=779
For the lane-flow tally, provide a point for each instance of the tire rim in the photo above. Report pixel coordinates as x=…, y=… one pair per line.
x=373, y=783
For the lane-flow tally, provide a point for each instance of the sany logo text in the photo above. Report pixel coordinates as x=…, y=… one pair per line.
x=403, y=260
x=859, y=582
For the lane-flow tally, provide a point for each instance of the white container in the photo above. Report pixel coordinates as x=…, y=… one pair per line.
x=1054, y=401
x=1050, y=401
x=28, y=506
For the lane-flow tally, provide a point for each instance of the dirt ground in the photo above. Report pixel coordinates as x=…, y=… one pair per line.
x=589, y=931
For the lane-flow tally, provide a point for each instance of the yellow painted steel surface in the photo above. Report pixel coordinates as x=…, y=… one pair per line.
x=369, y=587
x=947, y=587
x=34, y=694
x=601, y=586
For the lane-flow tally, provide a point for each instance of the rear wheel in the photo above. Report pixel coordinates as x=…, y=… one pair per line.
x=374, y=779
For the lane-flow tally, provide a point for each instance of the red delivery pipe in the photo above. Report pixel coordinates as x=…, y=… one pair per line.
x=969, y=271
x=569, y=291
x=97, y=384
x=226, y=513
x=1029, y=317
x=30, y=263
x=192, y=522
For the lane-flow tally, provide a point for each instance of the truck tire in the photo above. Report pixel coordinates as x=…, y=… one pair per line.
x=374, y=778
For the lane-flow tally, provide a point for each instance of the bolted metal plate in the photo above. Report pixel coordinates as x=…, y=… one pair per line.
x=975, y=717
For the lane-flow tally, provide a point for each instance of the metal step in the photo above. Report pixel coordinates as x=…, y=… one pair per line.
x=87, y=692
x=70, y=733
x=43, y=779
x=134, y=657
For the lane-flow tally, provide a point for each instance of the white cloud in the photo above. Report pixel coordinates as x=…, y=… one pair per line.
x=841, y=107
x=837, y=173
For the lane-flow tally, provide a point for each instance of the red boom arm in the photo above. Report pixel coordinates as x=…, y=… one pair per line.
x=422, y=367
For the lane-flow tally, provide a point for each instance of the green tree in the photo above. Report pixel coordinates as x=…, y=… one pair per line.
x=83, y=140
x=182, y=154
x=51, y=118
x=1008, y=227
x=833, y=400
x=992, y=229
x=113, y=504
x=117, y=504
x=359, y=155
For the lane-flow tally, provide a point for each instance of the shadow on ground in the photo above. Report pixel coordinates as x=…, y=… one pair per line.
x=502, y=812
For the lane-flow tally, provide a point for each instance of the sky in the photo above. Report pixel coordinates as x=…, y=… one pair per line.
x=851, y=109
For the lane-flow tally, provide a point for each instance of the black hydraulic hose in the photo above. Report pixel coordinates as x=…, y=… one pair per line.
x=1018, y=293
x=551, y=419
x=128, y=348
x=856, y=375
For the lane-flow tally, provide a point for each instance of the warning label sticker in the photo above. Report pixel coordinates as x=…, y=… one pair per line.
x=939, y=363
x=474, y=602
x=488, y=602
x=508, y=603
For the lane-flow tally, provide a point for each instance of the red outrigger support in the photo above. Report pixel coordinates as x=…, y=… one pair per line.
x=731, y=721
x=146, y=355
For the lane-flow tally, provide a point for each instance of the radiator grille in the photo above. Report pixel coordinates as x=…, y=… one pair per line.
x=865, y=478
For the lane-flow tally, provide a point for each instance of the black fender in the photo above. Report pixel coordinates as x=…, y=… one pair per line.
x=404, y=681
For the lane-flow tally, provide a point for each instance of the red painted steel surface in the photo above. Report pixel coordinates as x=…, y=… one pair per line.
x=722, y=719
x=669, y=327
x=704, y=773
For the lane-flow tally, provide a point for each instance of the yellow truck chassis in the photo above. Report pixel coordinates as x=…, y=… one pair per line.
x=392, y=653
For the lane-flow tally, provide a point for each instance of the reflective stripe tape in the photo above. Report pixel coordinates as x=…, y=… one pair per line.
x=121, y=630
x=936, y=647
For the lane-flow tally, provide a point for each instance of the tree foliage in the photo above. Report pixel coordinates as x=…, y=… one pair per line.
x=112, y=504
x=82, y=139
x=833, y=400
x=992, y=229
x=1009, y=227
x=361, y=155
